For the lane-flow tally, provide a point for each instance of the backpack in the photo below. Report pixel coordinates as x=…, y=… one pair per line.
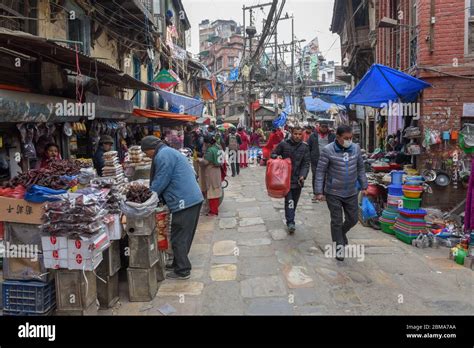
x=233, y=143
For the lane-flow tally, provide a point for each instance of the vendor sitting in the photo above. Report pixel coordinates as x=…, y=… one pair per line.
x=51, y=152
x=105, y=145
x=173, y=179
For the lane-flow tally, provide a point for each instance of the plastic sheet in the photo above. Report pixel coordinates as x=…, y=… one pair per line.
x=140, y=210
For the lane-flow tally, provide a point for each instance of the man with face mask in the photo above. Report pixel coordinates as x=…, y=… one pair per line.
x=340, y=168
x=298, y=151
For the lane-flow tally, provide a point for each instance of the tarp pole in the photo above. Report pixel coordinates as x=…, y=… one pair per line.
x=399, y=96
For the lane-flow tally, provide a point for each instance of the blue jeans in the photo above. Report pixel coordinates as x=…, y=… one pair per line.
x=291, y=202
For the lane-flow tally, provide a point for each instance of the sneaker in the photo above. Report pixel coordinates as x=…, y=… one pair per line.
x=169, y=267
x=340, y=251
x=176, y=276
x=291, y=228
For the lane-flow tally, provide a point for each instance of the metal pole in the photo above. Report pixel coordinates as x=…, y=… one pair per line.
x=251, y=69
x=243, y=59
x=293, y=64
x=276, y=65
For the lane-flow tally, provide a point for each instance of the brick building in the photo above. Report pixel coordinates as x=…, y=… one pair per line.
x=222, y=45
x=430, y=39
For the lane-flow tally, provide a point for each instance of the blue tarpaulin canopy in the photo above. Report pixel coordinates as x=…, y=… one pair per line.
x=382, y=84
x=182, y=104
x=317, y=105
x=330, y=97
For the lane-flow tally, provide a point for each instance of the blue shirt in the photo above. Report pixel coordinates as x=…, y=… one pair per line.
x=175, y=180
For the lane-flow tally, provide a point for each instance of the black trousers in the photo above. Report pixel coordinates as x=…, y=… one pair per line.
x=234, y=162
x=313, y=178
x=340, y=224
x=291, y=202
x=183, y=228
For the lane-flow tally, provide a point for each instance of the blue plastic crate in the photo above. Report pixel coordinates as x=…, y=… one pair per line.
x=28, y=297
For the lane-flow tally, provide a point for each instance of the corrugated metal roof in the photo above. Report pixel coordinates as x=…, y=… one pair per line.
x=64, y=56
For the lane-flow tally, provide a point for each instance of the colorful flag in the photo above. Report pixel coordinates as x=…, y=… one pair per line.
x=234, y=74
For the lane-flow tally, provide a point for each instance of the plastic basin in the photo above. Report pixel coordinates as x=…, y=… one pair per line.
x=411, y=203
x=412, y=194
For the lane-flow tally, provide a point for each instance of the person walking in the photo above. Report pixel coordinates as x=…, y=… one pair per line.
x=298, y=151
x=233, y=143
x=173, y=179
x=316, y=142
x=308, y=131
x=340, y=168
x=211, y=164
x=244, y=146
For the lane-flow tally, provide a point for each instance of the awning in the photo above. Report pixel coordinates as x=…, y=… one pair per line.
x=317, y=105
x=164, y=117
x=182, y=104
x=50, y=51
x=29, y=107
x=330, y=97
x=235, y=118
x=382, y=84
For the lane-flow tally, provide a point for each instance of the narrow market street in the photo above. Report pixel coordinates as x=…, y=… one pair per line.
x=244, y=262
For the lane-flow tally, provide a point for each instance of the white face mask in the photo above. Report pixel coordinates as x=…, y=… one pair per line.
x=347, y=144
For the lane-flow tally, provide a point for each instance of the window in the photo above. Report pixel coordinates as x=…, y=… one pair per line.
x=12, y=11
x=78, y=28
x=230, y=61
x=361, y=18
x=470, y=28
x=413, y=33
x=219, y=63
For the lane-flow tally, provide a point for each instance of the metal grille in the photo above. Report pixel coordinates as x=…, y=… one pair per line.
x=148, y=5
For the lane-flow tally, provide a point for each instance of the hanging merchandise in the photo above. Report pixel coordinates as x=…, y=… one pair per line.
x=179, y=53
x=164, y=80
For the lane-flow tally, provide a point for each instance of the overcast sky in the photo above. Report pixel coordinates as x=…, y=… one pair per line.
x=312, y=18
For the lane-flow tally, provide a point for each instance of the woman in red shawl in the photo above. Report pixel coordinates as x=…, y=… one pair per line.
x=244, y=146
x=274, y=139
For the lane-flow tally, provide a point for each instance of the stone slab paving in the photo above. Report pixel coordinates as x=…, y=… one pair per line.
x=245, y=263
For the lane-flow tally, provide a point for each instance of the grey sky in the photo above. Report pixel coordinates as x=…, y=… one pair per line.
x=312, y=18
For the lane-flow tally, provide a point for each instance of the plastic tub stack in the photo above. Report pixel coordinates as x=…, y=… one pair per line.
x=411, y=222
x=144, y=255
x=395, y=195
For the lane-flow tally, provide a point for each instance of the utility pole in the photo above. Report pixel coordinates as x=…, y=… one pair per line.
x=251, y=31
x=276, y=65
x=294, y=110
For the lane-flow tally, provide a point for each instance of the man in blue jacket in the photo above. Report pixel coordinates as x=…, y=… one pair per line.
x=173, y=179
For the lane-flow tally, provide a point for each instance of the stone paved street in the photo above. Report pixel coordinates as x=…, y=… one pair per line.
x=244, y=263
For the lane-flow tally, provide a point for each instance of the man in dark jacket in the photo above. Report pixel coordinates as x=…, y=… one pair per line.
x=316, y=142
x=295, y=149
x=105, y=145
x=340, y=168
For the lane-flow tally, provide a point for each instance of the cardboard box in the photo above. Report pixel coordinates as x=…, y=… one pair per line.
x=25, y=269
x=19, y=210
x=56, y=259
x=113, y=226
x=52, y=263
x=87, y=246
x=50, y=243
x=82, y=262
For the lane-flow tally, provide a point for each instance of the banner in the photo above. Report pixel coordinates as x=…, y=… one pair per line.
x=165, y=80
x=234, y=74
x=183, y=105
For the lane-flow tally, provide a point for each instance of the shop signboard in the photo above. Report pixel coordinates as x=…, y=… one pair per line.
x=19, y=210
